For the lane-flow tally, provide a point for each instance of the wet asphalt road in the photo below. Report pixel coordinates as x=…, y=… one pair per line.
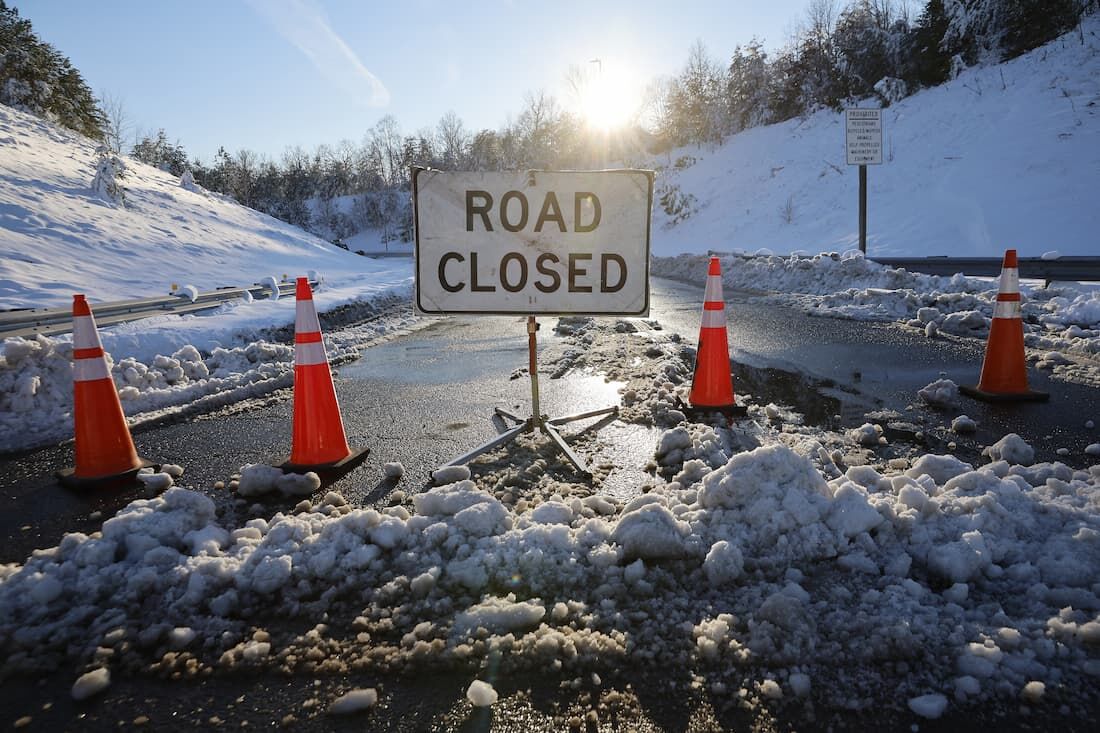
x=427, y=397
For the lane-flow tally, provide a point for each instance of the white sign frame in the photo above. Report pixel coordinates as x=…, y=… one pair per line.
x=534, y=243
x=863, y=136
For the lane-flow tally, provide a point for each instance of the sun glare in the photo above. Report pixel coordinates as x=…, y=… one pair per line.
x=610, y=100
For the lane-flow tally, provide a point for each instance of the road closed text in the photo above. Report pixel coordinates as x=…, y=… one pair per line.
x=577, y=274
x=543, y=242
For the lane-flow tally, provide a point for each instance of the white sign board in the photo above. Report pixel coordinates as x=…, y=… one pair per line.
x=864, y=136
x=533, y=243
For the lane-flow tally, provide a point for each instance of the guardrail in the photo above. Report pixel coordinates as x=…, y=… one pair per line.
x=1062, y=268
x=52, y=321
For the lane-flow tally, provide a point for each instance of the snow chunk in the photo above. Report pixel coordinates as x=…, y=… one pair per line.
x=651, y=532
x=272, y=285
x=552, y=512
x=155, y=481
x=450, y=475
x=851, y=513
x=258, y=479
x=771, y=690
x=868, y=435
x=961, y=561
x=800, y=684
x=964, y=424
x=774, y=469
x=393, y=470
x=46, y=589
x=499, y=616
x=724, y=563
x=928, y=706
x=1033, y=692
x=939, y=468
x=181, y=636
x=354, y=701
x=1011, y=448
x=941, y=393
x=481, y=694
x=91, y=683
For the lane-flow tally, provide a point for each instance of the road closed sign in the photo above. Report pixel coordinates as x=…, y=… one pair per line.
x=863, y=136
x=533, y=242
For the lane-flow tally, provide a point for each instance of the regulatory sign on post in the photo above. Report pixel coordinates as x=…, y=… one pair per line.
x=864, y=136
x=533, y=243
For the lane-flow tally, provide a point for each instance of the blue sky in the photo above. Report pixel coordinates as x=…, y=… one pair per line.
x=266, y=74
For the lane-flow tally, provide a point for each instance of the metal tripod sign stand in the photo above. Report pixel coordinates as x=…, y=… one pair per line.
x=537, y=421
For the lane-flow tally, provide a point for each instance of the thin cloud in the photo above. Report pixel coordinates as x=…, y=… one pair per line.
x=304, y=24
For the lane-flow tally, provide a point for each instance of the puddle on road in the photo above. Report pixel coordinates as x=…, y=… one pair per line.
x=629, y=447
x=424, y=361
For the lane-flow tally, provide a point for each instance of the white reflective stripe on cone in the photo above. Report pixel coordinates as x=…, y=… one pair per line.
x=90, y=370
x=305, y=318
x=714, y=319
x=713, y=292
x=1007, y=309
x=85, y=335
x=309, y=354
x=1010, y=280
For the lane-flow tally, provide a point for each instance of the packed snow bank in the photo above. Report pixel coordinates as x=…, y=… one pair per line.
x=987, y=574
x=1060, y=321
x=36, y=390
x=1002, y=156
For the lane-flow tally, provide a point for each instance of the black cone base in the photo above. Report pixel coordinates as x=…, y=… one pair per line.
x=1030, y=396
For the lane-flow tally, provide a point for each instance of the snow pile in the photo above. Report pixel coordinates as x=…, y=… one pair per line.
x=980, y=573
x=1058, y=319
x=36, y=390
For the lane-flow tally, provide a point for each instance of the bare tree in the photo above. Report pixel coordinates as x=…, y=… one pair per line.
x=117, y=127
x=453, y=141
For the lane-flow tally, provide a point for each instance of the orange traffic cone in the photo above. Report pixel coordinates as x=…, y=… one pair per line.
x=1004, y=371
x=712, y=383
x=104, y=449
x=318, y=441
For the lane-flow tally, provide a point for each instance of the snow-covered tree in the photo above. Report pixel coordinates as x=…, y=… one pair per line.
x=747, y=86
x=157, y=151
x=109, y=172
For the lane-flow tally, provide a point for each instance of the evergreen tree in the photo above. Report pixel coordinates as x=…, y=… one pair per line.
x=862, y=41
x=929, y=55
x=36, y=78
x=747, y=86
x=1031, y=23
x=160, y=153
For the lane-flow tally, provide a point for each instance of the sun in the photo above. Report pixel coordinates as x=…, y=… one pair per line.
x=610, y=100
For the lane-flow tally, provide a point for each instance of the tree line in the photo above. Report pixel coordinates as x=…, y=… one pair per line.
x=838, y=55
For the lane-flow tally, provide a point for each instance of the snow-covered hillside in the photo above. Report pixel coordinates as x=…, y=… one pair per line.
x=1003, y=156
x=58, y=237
